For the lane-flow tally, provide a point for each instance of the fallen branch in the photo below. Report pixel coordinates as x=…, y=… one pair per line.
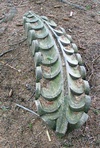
x=19, y=42
x=74, y=5
x=27, y=110
x=3, y=53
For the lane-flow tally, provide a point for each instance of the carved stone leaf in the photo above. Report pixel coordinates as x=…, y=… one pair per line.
x=62, y=93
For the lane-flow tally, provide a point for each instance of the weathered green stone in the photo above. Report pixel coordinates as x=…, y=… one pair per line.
x=62, y=93
x=38, y=90
x=38, y=74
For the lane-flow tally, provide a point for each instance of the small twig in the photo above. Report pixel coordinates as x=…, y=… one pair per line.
x=27, y=109
x=40, y=132
x=66, y=19
x=39, y=2
x=50, y=15
x=1, y=17
x=96, y=59
x=12, y=48
x=48, y=135
x=74, y=5
x=10, y=93
x=19, y=42
x=71, y=14
x=32, y=96
x=3, y=53
x=29, y=87
x=57, y=6
x=11, y=66
x=93, y=67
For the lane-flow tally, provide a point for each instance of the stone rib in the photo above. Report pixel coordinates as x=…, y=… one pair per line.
x=56, y=108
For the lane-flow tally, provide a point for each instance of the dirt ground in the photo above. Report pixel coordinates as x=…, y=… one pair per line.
x=19, y=128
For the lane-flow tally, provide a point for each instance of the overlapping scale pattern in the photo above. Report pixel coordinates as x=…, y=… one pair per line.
x=62, y=93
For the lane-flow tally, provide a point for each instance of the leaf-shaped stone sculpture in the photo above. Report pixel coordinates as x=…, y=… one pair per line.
x=62, y=93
